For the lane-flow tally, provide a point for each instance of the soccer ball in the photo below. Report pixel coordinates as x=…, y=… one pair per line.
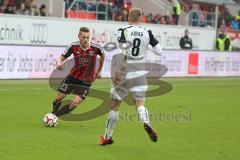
x=50, y=120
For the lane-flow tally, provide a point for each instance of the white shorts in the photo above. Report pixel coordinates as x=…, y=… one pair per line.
x=136, y=86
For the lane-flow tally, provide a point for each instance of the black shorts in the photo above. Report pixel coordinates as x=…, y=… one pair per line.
x=71, y=85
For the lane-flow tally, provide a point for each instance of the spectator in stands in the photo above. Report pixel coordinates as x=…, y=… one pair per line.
x=115, y=11
x=82, y=5
x=195, y=19
x=211, y=17
x=14, y=8
x=1, y=8
x=238, y=16
x=9, y=9
x=227, y=17
x=28, y=5
x=21, y=9
x=125, y=15
x=223, y=41
x=115, y=14
x=221, y=21
x=235, y=23
x=34, y=11
x=110, y=10
x=156, y=18
x=223, y=24
x=120, y=17
x=186, y=41
x=176, y=11
x=119, y=3
x=194, y=16
x=101, y=11
x=43, y=10
x=5, y=3
x=201, y=15
x=127, y=4
x=162, y=20
x=149, y=18
x=168, y=20
x=91, y=7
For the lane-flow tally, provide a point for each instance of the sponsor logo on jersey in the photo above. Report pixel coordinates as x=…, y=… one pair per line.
x=83, y=60
x=91, y=53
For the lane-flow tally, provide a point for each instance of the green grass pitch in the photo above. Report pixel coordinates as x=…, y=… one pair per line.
x=198, y=120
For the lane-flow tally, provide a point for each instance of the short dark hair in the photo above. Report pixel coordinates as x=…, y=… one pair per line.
x=43, y=6
x=84, y=29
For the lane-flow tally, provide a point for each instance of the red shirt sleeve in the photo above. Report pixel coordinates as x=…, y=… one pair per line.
x=68, y=52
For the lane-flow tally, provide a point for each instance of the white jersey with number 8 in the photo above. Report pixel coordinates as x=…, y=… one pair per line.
x=137, y=38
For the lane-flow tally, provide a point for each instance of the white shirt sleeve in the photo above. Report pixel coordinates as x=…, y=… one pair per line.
x=157, y=49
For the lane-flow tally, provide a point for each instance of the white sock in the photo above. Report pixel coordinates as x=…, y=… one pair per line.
x=110, y=123
x=143, y=114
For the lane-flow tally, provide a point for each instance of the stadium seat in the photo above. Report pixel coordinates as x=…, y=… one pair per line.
x=71, y=14
x=91, y=15
x=82, y=15
x=144, y=19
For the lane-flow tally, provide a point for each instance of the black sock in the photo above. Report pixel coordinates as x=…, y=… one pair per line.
x=64, y=110
x=56, y=106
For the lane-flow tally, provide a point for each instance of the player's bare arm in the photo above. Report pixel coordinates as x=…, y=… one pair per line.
x=101, y=61
x=60, y=62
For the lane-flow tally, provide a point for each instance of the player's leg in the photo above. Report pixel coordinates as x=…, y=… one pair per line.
x=138, y=91
x=117, y=94
x=112, y=117
x=70, y=107
x=64, y=89
x=110, y=122
x=142, y=110
x=80, y=92
x=57, y=102
x=144, y=117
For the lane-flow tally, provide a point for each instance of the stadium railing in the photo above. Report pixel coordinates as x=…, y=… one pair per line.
x=87, y=9
x=201, y=19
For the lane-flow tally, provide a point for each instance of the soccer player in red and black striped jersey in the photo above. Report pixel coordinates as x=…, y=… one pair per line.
x=83, y=73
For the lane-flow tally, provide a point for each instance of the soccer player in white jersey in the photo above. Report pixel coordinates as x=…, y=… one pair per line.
x=135, y=79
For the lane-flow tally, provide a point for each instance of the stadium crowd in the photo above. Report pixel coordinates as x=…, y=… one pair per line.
x=204, y=16
x=200, y=15
x=117, y=10
x=22, y=7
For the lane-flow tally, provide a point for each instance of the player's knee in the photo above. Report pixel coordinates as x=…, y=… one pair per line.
x=59, y=97
x=114, y=104
x=75, y=103
x=138, y=103
x=114, y=115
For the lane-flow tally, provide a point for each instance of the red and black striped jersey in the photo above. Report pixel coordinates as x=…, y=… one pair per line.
x=85, y=60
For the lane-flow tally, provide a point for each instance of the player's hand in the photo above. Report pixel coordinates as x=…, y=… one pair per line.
x=59, y=66
x=97, y=75
x=117, y=79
